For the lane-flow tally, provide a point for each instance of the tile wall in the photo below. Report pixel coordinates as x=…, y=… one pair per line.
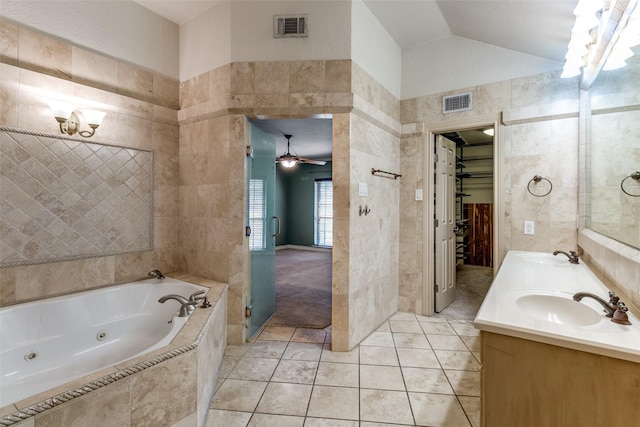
x=539, y=136
x=212, y=170
x=141, y=113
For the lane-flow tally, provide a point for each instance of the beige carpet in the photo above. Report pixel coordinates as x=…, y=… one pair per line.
x=303, y=289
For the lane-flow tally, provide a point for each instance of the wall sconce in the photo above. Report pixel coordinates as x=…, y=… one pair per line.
x=69, y=120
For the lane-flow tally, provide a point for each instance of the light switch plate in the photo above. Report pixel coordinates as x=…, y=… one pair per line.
x=529, y=227
x=418, y=193
x=362, y=189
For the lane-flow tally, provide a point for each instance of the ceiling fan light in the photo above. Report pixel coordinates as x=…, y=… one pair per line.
x=289, y=163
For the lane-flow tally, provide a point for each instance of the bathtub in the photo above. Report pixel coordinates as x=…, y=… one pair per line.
x=47, y=343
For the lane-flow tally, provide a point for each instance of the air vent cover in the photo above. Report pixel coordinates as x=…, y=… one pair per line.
x=290, y=26
x=461, y=102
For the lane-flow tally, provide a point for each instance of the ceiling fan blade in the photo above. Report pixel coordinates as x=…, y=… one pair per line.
x=311, y=161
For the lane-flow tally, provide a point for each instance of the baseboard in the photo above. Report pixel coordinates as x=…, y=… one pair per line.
x=303, y=248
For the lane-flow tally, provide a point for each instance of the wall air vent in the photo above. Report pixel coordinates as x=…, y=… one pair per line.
x=290, y=26
x=455, y=103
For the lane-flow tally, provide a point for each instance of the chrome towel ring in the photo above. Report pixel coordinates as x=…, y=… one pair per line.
x=636, y=177
x=536, y=179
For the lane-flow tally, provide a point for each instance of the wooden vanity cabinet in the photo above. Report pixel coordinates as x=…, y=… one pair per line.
x=531, y=384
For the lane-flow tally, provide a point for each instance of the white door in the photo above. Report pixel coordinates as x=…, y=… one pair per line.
x=445, y=220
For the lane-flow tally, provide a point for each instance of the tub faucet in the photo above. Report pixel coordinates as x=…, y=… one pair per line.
x=186, y=306
x=572, y=255
x=156, y=273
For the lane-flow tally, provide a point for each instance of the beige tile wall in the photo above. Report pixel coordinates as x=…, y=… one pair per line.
x=539, y=135
x=212, y=159
x=141, y=113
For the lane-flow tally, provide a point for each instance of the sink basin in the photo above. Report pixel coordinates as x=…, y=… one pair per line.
x=556, y=307
x=538, y=258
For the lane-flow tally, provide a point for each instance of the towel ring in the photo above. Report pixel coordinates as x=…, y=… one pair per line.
x=536, y=179
x=635, y=176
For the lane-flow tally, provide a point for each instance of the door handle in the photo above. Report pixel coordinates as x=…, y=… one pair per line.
x=277, y=233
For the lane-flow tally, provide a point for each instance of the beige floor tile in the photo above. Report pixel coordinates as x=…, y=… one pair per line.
x=254, y=368
x=433, y=319
x=478, y=356
x=437, y=328
x=472, y=343
x=464, y=383
x=446, y=342
x=238, y=395
x=337, y=374
x=303, y=351
x=339, y=356
x=268, y=420
x=326, y=422
x=417, y=358
x=276, y=333
x=464, y=328
x=460, y=360
x=285, y=399
x=424, y=380
x=334, y=402
x=381, y=377
x=384, y=327
x=379, y=339
x=317, y=336
x=437, y=410
x=368, y=424
x=370, y=355
x=295, y=371
x=267, y=349
x=403, y=340
x=236, y=350
x=228, y=363
x=471, y=406
x=220, y=418
x=401, y=315
x=408, y=326
x=385, y=406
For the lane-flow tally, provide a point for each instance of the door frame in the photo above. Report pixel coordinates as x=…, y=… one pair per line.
x=428, y=207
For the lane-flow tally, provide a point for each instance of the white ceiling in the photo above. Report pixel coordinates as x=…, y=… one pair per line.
x=536, y=27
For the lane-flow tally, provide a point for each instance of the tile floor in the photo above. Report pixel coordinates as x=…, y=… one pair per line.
x=413, y=370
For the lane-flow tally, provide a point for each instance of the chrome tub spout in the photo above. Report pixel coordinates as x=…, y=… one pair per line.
x=186, y=306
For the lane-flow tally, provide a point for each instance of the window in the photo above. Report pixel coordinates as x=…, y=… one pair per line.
x=323, y=213
x=257, y=215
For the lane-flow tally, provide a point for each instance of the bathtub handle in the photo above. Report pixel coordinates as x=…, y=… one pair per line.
x=194, y=296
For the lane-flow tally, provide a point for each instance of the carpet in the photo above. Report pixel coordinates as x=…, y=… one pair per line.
x=303, y=289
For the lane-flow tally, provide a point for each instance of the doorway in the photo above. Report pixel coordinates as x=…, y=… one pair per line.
x=477, y=204
x=304, y=208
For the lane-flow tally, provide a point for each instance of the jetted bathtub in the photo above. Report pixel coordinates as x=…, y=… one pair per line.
x=49, y=342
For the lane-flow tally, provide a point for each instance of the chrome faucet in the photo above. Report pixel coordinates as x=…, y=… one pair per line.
x=572, y=255
x=186, y=306
x=156, y=273
x=615, y=308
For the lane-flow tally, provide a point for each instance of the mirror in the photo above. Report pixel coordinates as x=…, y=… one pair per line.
x=613, y=154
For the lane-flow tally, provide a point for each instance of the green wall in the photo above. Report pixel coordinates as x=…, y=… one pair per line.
x=294, y=202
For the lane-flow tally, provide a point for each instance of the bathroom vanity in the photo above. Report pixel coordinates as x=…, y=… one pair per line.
x=548, y=360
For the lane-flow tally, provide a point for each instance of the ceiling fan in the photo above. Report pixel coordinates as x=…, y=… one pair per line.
x=288, y=160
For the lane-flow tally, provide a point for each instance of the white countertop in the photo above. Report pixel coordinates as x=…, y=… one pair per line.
x=524, y=273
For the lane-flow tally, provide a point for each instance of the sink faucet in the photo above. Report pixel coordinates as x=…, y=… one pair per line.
x=156, y=273
x=615, y=308
x=609, y=307
x=572, y=255
x=186, y=306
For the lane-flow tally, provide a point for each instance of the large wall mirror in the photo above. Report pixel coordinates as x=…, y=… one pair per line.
x=613, y=154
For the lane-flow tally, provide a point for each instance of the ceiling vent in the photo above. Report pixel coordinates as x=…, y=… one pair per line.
x=455, y=103
x=290, y=26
